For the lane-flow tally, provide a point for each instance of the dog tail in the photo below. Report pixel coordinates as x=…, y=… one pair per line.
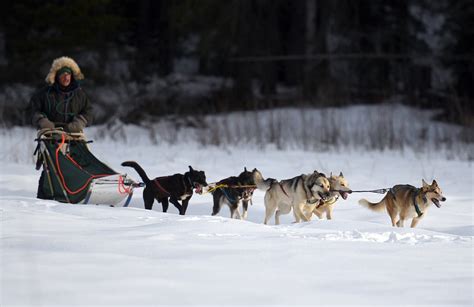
x=139, y=170
x=378, y=207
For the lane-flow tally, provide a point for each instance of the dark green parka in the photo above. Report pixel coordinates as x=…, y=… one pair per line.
x=61, y=107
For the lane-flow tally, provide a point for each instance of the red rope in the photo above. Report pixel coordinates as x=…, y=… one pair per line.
x=122, y=187
x=121, y=184
x=163, y=190
x=63, y=140
x=75, y=163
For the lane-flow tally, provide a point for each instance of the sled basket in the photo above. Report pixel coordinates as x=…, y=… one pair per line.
x=72, y=174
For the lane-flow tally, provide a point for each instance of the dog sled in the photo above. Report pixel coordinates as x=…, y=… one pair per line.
x=72, y=174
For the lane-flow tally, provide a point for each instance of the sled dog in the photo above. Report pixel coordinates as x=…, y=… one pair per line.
x=233, y=194
x=283, y=196
x=339, y=187
x=173, y=188
x=405, y=201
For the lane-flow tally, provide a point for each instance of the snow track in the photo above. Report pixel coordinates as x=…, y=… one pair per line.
x=89, y=255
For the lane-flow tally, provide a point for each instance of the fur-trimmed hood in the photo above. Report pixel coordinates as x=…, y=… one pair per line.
x=60, y=63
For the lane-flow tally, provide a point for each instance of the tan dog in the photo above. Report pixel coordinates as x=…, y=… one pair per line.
x=406, y=201
x=283, y=196
x=339, y=187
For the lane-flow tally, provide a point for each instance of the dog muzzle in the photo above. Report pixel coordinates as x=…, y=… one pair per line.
x=197, y=188
x=436, y=201
x=344, y=194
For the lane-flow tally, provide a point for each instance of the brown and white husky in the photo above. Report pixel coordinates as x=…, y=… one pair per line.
x=406, y=201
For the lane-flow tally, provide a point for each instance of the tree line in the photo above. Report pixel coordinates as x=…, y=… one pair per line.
x=275, y=52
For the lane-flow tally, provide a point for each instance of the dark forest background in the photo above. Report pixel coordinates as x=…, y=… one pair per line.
x=144, y=58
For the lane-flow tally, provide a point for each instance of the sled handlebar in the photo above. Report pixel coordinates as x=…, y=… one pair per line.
x=58, y=132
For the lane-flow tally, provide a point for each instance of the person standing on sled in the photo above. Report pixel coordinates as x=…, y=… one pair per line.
x=62, y=103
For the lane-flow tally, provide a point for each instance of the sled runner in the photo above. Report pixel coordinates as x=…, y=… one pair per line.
x=72, y=174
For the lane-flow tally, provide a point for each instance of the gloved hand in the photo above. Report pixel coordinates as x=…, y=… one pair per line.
x=77, y=125
x=45, y=123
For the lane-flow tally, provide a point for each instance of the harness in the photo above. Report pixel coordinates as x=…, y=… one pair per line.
x=245, y=189
x=283, y=189
x=306, y=189
x=231, y=200
x=417, y=209
x=223, y=187
x=309, y=195
x=191, y=183
x=330, y=202
x=162, y=192
x=415, y=196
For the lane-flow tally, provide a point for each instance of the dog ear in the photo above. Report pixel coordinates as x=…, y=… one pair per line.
x=424, y=183
x=245, y=168
x=341, y=175
x=434, y=183
x=190, y=168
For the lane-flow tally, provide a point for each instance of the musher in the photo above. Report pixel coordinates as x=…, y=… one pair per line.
x=62, y=103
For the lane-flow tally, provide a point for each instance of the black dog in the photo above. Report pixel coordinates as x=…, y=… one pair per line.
x=175, y=187
x=233, y=193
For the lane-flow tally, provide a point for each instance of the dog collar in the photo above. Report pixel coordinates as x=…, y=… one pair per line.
x=191, y=182
x=417, y=208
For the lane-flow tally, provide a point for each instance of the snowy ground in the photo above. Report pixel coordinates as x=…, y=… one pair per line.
x=58, y=254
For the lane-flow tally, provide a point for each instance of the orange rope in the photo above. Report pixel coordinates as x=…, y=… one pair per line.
x=63, y=140
x=73, y=161
x=122, y=187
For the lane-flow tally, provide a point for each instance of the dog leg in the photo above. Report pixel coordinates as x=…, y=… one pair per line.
x=217, y=197
x=393, y=215
x=309, y=215
x=184, y=206
x=415, y=221
x=270, y=207
x=308, y=212
x=164, y=203
x=269, y=211
x=297, y=218
x=403, y=217
x=148, y=198
x=329, y=213
x=268, y=214
x=401, y=221
x=176, y=203
x=232, y=211
x=318, y=213
x=299, y=213
x=237, y=212
x=277, y=217
x=245, y=206
x=281, y=211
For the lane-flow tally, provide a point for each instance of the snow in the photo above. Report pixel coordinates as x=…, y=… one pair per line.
x=60, y=254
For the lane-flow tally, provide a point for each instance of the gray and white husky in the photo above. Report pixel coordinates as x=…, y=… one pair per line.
x=339, y=187
x=283, y=196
